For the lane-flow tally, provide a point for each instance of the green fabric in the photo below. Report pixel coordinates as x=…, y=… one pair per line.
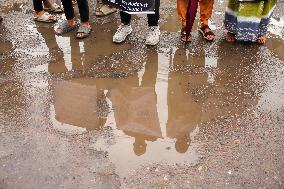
x=257, y=9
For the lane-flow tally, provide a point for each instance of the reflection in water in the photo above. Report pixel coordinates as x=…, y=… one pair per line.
x=184, y=112
x=153, y=114
x=135, y=108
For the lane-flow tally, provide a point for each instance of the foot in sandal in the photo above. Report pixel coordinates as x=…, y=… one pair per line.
x=54, y=8
x=84, y=30
x=206, y=32
x=184, y=37
x=261, y=40
x=43, y=16
x=67, y=26
x=104, y=10
x=231, y=38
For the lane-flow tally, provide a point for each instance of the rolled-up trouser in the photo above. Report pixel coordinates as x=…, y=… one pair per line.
x=83, y=9
x=153, y=19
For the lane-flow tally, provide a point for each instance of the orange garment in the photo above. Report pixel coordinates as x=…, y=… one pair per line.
x=206, y=7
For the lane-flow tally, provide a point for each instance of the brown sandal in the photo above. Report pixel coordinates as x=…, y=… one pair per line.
x=205, y=34
x=183, y=36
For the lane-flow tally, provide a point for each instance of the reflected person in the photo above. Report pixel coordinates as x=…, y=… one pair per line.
x=135, y=107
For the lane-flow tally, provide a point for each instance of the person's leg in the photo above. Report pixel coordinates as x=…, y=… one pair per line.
x=125, y=18
x=37, y=5
x=40, y=14
x=153, y=19
x=124, y=29
x=182, y=8
x=70, y=24
x=68, y=9
x=265, y=20
x=85, y=28
x=83, y=10
x=206, y=7
x=153, y=36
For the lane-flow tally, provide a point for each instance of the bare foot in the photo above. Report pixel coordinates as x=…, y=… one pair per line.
x=231, y=38
x=40, y=13
x=261, y=40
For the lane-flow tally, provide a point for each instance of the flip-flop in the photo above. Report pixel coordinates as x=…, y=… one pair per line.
x=104, y=10
x=54, y=8
x=65, y=27
x=206, y=34
x=85, y=30
x=45, y=17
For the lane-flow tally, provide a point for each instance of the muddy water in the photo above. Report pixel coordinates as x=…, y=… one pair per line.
x=151, y=101
x=155, y=113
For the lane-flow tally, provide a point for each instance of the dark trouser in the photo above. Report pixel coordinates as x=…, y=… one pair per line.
x=38, y=5
x=152, y=18
x=83, y=9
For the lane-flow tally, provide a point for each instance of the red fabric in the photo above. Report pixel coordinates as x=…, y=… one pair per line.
x=190, y=15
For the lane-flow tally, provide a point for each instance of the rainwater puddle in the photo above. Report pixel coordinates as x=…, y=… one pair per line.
x=151, y=116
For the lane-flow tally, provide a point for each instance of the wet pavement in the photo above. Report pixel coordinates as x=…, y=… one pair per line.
x=93, y=114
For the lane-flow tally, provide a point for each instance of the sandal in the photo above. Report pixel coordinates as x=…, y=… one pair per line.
x=183, y=36
x=54, y=8
x=85, y=30
x=205, y=33
x=104, y=10
x=261, y=40
x=231, y=38
x=65, y=28
x=46, y=18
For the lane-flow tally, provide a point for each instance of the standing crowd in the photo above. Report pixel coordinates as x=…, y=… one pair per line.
x=245, y=20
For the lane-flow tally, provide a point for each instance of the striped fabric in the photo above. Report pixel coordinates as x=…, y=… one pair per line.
x=248, y=20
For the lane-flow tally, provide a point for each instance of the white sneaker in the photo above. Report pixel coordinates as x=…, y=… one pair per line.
x=121, y=33
x=153, y=36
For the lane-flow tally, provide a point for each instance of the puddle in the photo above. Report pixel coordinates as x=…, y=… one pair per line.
x=153, y=114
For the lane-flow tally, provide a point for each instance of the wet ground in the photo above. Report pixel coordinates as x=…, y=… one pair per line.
x=92, y=114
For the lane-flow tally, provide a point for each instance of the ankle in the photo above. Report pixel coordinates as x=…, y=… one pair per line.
x=85, y=24
x=71, y=22
x=39, y=13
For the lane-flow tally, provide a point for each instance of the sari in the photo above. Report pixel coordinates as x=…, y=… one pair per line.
x=248, y=20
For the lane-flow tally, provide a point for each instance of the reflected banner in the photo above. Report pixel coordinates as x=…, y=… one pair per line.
x=133, y=6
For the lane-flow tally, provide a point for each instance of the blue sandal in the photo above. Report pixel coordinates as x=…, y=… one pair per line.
x=65, y=27
x=85, y=30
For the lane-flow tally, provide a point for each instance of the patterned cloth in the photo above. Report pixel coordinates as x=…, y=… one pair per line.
x=248, y=20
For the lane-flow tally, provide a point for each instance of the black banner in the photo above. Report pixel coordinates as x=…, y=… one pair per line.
x=133, y=6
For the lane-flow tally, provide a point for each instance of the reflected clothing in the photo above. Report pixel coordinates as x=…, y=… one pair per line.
x=206, y=7
x=153, y=19
x=83, y=9
x=248, y=20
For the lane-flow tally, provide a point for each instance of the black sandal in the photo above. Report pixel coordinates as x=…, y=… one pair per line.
x=206, y=34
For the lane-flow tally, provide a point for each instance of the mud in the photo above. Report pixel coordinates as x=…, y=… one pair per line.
x=93, y=114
